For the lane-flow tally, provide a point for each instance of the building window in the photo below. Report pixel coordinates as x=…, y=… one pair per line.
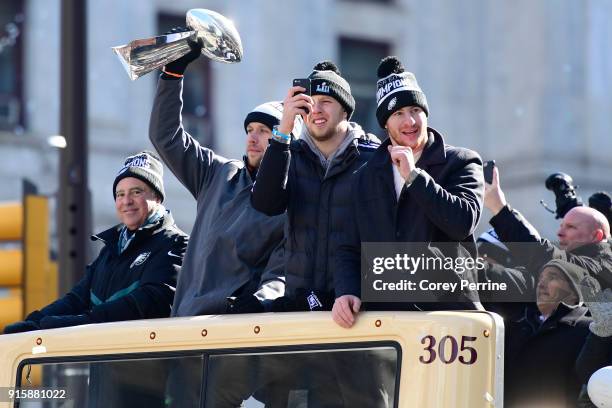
x=11, y=84
x=358, y=61
x=197, y=91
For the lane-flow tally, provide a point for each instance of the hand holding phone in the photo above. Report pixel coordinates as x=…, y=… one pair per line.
x=494, y=198
x=304, y=83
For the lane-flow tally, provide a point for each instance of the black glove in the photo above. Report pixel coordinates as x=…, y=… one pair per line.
x=283, y=304
x=180, y=65
x=35, y=316
x=21, y=327
x=52, y=322
x=244, y=304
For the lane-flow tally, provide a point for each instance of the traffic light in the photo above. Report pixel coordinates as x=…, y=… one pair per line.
x=28, y=278
x=11, y=264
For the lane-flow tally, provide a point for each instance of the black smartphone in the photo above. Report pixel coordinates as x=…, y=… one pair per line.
x=304, y=83
x=488, y=171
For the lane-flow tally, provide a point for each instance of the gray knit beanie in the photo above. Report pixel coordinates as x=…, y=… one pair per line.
x=145, y=166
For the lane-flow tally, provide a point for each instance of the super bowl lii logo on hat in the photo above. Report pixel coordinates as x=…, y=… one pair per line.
x=322, y=87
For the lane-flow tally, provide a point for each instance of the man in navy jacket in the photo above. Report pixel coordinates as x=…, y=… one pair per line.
x=135, y=274
x=415, y=188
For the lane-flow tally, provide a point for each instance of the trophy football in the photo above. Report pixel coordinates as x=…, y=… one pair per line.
x=216, y=34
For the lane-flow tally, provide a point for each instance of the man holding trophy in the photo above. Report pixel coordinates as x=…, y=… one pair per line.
x=234, y=263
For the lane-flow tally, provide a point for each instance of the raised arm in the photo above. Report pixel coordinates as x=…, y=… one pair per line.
x=270, y=193
x=194, y=165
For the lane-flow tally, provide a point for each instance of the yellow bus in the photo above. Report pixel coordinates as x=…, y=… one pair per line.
x=388, y=359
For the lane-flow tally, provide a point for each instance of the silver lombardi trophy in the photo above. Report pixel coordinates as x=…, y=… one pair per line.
x=216, y=34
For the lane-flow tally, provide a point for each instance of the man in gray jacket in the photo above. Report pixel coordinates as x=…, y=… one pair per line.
x=234, y=260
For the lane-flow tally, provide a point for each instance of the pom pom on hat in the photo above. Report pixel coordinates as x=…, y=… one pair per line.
x=327, y=66
x=389, y=65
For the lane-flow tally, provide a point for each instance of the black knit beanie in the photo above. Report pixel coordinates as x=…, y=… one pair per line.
x=395, y=89
x=269, y=113
x=145, y=166
x=326, y=80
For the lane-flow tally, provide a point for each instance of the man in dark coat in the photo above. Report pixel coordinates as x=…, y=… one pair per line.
x=415, y=188
x=543, y=343
x=584, y=236
x=310, y=179
x=135, y=274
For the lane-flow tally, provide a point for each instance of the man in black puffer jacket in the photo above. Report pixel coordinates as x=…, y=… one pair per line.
x=310, y=178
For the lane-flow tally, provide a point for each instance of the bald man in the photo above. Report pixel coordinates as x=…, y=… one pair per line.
x=584, y=236
x=582, y=226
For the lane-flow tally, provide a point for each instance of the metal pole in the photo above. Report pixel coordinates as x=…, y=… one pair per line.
x=73, y=205
x=73, y=198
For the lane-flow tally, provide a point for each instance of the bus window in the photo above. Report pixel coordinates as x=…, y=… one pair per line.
x=140, y=382
x=311, y=377
x=322, y=378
